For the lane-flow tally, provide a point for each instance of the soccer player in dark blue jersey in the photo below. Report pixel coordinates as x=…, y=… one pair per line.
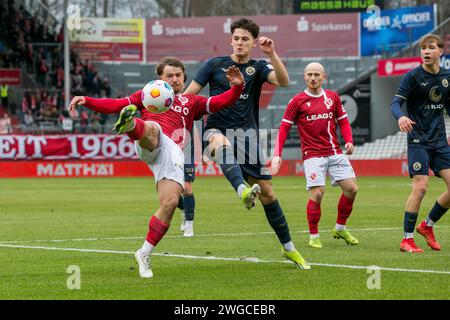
x=425, y=92
x=239, y=158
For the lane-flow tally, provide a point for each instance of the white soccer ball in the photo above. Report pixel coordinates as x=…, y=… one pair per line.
x=157, y=96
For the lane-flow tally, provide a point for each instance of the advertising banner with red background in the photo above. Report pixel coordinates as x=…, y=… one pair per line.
x=397, y=66
x=294, y=35
x=66, y=147
x=114, y=156
x=11, y=77
x=126, y=168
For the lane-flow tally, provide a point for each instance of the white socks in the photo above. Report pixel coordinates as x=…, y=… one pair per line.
x=147, y=248
x=408, y=235
x=340, y=227
x=289, y=246
x=240, y=189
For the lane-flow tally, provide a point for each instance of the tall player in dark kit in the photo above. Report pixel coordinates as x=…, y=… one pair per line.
x=242, y=160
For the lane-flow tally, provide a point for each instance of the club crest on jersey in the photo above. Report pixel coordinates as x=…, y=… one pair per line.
x=435, y=95
x=445, y=83
x=328, y=102
x=417, y=166
x=250, y=71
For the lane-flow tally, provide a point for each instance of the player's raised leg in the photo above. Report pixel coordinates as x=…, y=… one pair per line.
x=147, y=133
x=223, y=154
x=345, y=207
x=277, y=220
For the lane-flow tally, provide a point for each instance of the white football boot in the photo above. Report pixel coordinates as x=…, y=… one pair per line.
x=144, y=265
x=188, y=229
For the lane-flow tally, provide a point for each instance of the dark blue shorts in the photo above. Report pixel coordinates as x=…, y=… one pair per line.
x=189, y=172
x=420, y=160
x=249, y=157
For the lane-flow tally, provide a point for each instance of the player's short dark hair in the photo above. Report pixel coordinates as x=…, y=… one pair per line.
x=246, y=24
x=431, y=38
x=169, y=61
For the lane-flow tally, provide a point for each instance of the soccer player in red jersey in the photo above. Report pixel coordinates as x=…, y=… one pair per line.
x=159, y=139
x=316, y=112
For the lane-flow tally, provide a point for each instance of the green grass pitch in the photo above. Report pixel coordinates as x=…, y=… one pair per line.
x=96, y=224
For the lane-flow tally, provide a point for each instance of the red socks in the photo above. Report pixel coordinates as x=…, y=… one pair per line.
x=313, y=214
x=138, y=131
x=345, y=207
x=157, y=230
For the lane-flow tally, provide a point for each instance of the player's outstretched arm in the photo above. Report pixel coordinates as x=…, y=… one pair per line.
x=76, y=101
x=279, y=76
x=104, y=105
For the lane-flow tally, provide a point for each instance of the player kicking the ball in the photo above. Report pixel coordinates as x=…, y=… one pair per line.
x=159, y=139
x=316, y=112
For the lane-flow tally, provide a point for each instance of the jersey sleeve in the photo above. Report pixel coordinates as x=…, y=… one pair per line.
x=289, y=118
x=203, y=105
x=204, y=74
x=291, y=113
x=266, y=69
x=406, y=86
x=339, y=108
x=108, y=105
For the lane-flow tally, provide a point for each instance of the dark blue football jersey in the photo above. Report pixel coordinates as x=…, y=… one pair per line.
x=244, y=114
x=426, y=96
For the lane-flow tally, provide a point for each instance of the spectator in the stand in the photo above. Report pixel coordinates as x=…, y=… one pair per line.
x=96, y=85
x=59, y=78
x=12, y=108
x=43, y=68
x=84, y=121
x=29, y=57
x=77, y=82
x=5, y=124
x=28, y=118
x=106, y=87
x=4, y=88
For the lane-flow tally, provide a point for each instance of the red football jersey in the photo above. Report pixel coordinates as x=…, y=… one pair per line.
x=178, y=120
x=316, y=118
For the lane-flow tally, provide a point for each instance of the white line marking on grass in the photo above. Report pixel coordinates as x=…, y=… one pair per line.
x=244, y=259
x=236, y=234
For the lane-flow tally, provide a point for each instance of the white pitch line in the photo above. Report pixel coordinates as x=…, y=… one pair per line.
x=238, y=234
x=244, y=259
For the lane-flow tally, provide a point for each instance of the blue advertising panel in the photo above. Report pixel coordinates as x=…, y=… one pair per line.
x=390, y=30
x=445, y=62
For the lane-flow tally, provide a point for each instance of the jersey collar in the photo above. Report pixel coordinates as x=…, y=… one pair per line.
x=314, y=95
